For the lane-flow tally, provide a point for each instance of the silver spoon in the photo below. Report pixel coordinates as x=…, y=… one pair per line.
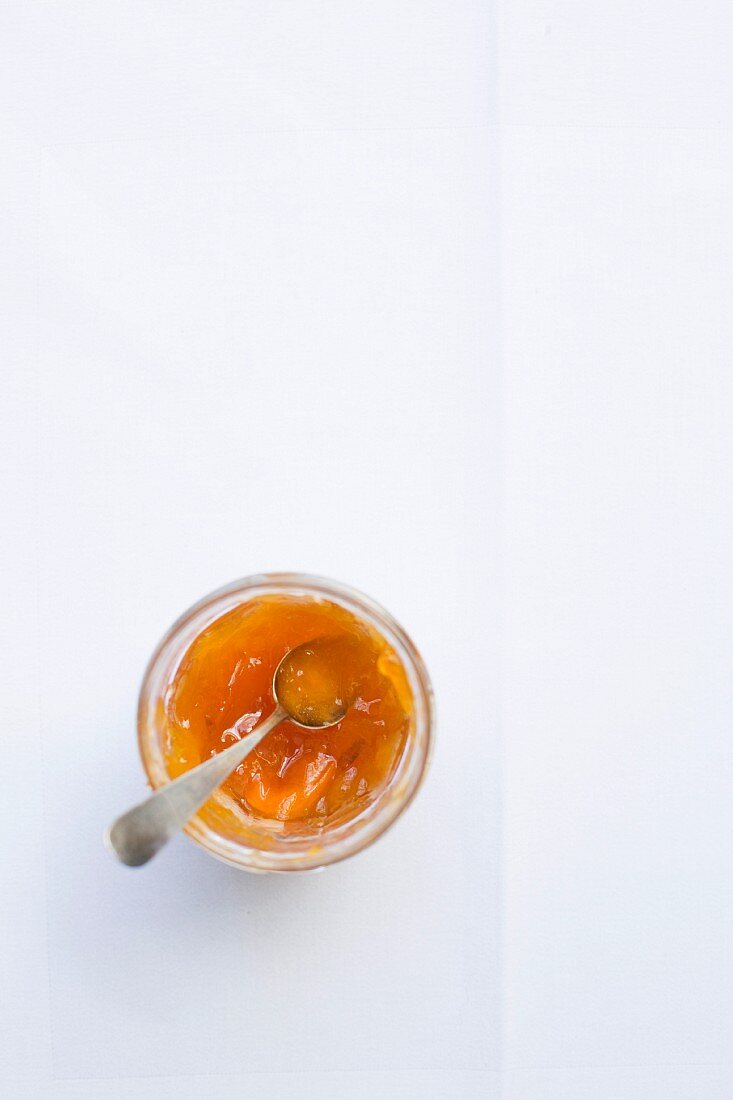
x=137, y=835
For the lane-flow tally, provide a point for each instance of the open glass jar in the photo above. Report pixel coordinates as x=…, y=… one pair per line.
x=221, y=826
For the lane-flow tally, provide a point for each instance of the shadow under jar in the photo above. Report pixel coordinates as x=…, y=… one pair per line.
x=302, y=799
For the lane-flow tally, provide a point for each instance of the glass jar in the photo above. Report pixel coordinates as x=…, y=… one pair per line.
x=215, y=827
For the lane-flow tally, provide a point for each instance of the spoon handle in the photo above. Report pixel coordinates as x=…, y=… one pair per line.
x=137, y=835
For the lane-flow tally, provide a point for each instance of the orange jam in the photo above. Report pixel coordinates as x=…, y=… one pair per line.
x=303, y=778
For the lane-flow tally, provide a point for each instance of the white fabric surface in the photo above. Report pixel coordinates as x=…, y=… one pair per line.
x=432, y=297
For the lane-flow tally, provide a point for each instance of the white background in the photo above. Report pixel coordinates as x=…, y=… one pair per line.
x=434, y=298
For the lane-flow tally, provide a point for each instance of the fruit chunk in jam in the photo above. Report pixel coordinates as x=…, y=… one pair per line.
x=307, y=777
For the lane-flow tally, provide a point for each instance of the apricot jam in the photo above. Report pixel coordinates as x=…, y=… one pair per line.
x=306, y=779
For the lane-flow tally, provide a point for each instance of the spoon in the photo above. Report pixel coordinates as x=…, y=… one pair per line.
x=307, y=691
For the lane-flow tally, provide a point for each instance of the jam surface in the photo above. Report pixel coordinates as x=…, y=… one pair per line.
x=304, y=779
